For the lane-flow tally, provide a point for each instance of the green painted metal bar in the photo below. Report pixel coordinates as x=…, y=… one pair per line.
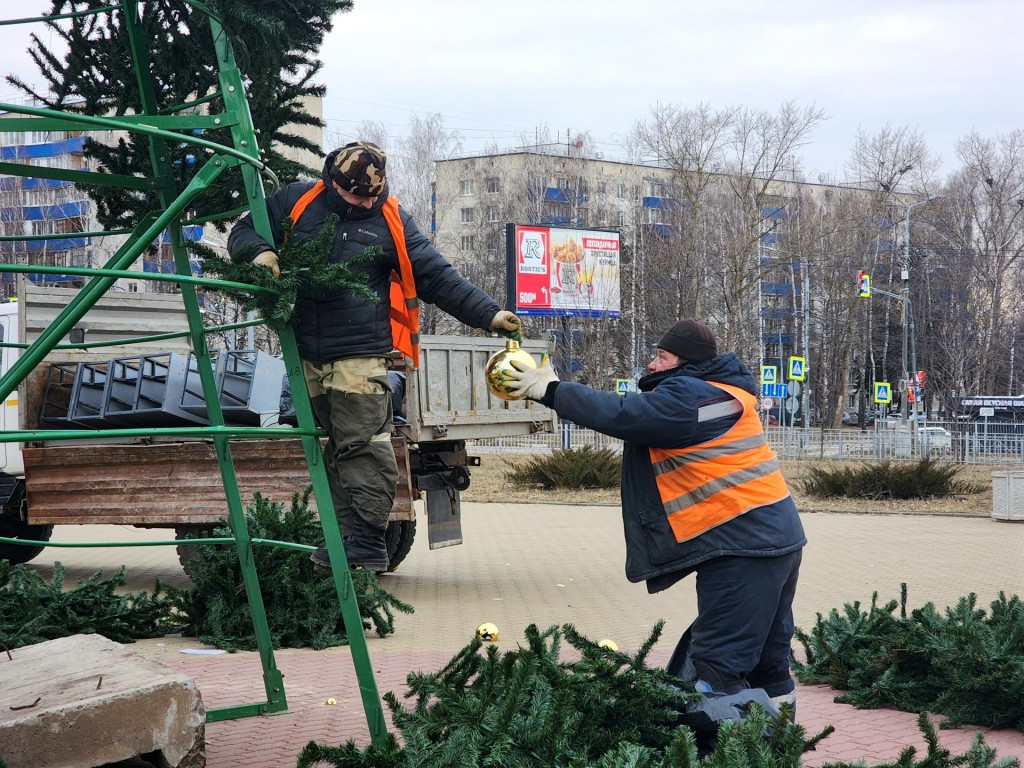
x=240, y=433
x=68, y=15
x=59, y=120
x=61, y=236
x=166, y=122
x=96, y=287
x=167, y=543
x=244, y=152
x=164, y=181
x=244, y=137
x=139, y=339
x=189, y=279
x=77, y=177
x=190, y=104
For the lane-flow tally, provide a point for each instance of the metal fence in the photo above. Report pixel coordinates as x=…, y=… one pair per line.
x=883, y=441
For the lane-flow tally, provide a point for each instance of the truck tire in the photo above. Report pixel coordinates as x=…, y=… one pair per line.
x=190, y=552
x=19, y=553
x=399, y=537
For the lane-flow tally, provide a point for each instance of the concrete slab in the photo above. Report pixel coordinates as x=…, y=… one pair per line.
x=85, y=701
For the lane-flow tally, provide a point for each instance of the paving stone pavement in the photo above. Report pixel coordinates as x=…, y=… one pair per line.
x=547, y=564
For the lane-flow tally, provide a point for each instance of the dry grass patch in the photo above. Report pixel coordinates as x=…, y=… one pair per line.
x=490, y=485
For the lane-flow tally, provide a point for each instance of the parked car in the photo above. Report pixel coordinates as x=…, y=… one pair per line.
x=935, y=439
x=851, y=418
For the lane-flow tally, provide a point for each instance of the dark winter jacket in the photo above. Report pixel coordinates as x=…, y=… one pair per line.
x=666, y=413
x=341, y=325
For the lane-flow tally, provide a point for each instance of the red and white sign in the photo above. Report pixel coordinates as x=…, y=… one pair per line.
x=767, y=403
x=565, y=271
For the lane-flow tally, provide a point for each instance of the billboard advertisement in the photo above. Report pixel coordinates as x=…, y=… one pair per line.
x=563, y=272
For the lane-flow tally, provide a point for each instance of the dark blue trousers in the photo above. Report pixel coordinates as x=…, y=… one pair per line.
x=744, y=627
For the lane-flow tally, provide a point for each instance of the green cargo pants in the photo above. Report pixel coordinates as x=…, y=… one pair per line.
x=352, y=404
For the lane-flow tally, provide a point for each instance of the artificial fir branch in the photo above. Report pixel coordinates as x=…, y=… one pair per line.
x=301, y=604
x=526, y=708
x=306, y=273
x=33, y=610
x=964, y=663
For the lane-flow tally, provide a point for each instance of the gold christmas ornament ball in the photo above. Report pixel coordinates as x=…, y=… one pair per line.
x=608, y=645
x=498, y=367
x=331, y=702
x=487, y=632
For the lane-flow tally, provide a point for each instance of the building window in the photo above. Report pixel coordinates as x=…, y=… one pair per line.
x=467, y=215
x=492, y=185
x=492, y=214
x=622, y=218
x=602, y=217
x=602, y=188
x=620, y=191
x=468, y=242
x=466, y=187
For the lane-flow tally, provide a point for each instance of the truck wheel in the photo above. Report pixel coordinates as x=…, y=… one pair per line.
x=399, y=537
x=19, y=553
x=190, y=552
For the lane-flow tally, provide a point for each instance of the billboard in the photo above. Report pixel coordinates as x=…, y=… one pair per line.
x=562, y=272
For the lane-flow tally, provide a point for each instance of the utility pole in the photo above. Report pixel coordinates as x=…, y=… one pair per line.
x=909, y=376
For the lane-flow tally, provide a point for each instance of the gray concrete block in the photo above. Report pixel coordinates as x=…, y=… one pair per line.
x=85, y=701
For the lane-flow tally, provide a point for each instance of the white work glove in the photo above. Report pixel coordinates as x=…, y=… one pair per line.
x=268, y=259
x=505, y=321
x=531, y=383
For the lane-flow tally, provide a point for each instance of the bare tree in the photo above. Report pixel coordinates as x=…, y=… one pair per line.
x=985, y=208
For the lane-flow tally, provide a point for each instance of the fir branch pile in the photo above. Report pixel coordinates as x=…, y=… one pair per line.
x=33, y=609
x=527, y=707
x=306, y=273
x=963, y=663
x=301, y=603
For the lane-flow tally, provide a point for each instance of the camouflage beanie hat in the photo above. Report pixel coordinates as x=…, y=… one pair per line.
x=358, y=168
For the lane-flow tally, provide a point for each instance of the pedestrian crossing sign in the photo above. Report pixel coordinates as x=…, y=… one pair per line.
x=883, y=392
x=768, y=374
x=797, y=368
x=622, y=386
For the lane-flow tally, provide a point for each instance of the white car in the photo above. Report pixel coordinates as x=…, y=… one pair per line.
x=935, y=439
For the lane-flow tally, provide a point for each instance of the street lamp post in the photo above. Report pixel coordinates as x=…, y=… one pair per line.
x=909, y=376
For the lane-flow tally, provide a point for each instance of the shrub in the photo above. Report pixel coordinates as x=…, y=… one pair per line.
x=585, y=467
x=887, y=480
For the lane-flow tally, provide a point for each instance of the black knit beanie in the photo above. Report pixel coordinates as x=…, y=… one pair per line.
x=690, y=340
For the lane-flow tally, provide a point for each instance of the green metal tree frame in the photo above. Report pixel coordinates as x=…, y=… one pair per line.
x=171, y=124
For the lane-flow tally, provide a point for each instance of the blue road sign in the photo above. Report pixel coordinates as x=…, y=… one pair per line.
x=774, y=390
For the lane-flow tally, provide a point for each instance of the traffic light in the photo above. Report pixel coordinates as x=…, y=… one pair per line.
x=863, y=285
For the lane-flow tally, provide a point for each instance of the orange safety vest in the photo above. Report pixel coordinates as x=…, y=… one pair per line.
x=405, y=306
x=705, y=485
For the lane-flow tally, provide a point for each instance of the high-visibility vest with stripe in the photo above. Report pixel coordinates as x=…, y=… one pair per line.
x=405, y=307
x=705, y=485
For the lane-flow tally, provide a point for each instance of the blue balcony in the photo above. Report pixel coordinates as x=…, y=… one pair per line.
x=58, y=244
x=661, y=203
x=39, y=151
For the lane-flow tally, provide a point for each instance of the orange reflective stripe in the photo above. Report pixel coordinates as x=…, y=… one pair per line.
x=405, y=306
x=303, y=202
x=721, y=508
x=704, y=485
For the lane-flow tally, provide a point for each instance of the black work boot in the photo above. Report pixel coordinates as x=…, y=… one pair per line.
x=364, y=548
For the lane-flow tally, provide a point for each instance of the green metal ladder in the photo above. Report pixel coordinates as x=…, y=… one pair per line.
x=164, y=125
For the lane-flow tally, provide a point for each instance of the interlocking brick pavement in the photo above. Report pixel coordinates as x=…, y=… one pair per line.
x=547, y=564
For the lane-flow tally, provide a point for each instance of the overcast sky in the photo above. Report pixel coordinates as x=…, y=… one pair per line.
x=497, y=70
